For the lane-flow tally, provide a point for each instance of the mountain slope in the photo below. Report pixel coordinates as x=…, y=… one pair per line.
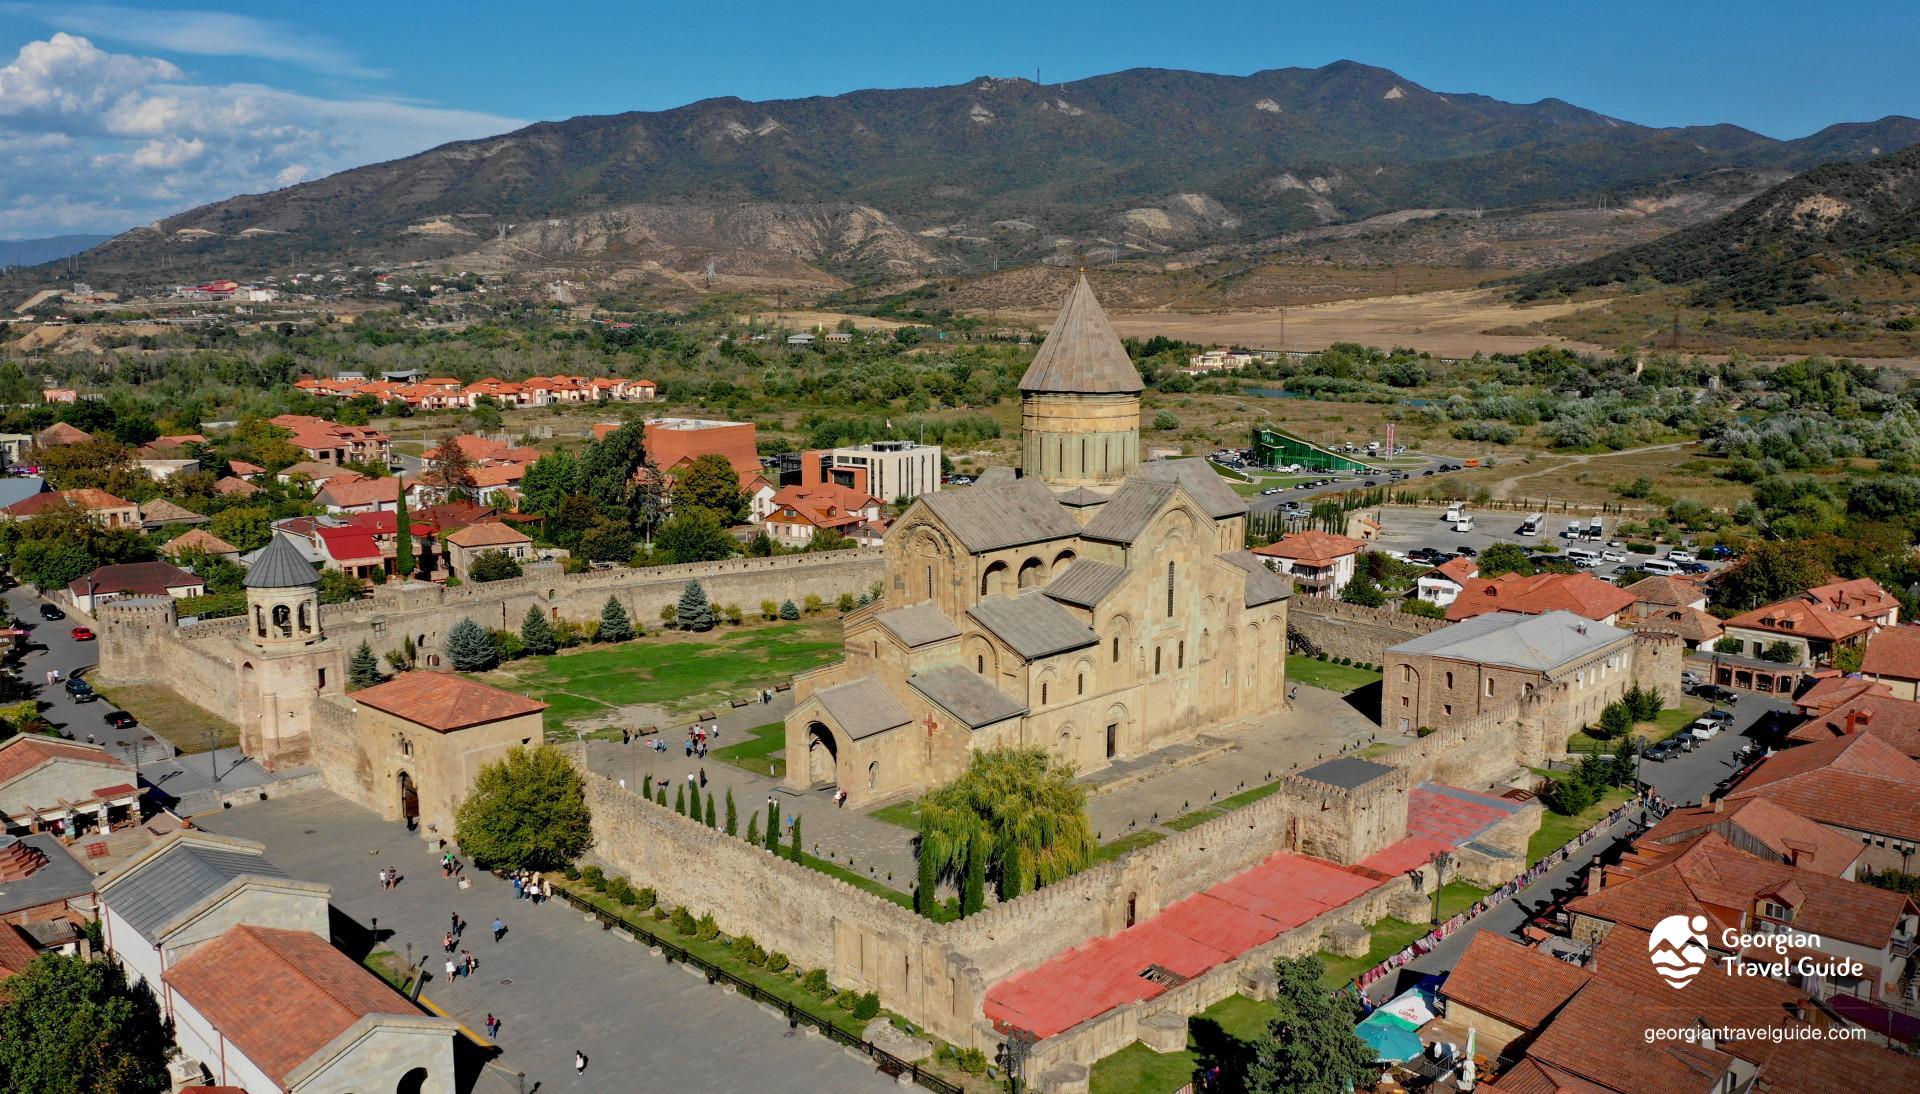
x=32, y=252
x=1792, y=244
x=996, y=170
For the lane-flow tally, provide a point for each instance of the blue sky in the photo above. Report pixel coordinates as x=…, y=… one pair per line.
x=114, y=114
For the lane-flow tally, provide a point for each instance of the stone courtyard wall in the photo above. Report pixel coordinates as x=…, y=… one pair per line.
x=1354, y=630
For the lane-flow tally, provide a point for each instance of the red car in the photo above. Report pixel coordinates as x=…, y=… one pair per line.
x=82, y=634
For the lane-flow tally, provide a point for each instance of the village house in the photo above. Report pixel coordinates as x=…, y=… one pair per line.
x=1893, y=659
x=1858, y=784
x=799, y=513
x=1581, y=594
x=161, y=513
x=64, y=787
x=469, y=543
x=101, y=507
x=327, y=442
x=1763, y=828
x=109, y=583
x=59, y=434
x=350, y=493
x=1320, y=563
x=1895, y=721
x=201, y=541
x=1443, y=584
x=314, y=475
x=1805, y=630
x=1491, y=662
x=46, y=895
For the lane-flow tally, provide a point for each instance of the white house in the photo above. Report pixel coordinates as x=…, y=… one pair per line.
x=1442, y=584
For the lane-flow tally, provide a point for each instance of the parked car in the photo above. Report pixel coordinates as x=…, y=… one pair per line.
x=1706, y=729
x=1691, y=679
x=1370, y=482
x=1664, y=750
x=80, y=690
x=120, y=719
x=50, y=613
x=1427, y=473
x=1714, y=693
x=1263, y=493
x=1724, y=717
x=1611, y=555
x=1680, y=554
x=1694, y=567
x=1465, y=551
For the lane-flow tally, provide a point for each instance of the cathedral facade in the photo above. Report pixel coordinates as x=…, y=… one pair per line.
x=1095, y=606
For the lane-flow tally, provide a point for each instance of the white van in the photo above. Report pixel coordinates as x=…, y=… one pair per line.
x=1584, y=559
x=1453, y=513
x=1464, y=524
x=1660, y=566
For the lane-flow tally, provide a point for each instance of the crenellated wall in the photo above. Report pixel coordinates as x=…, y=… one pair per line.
x=1354, y=630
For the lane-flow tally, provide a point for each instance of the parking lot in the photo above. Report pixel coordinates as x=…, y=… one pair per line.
x=1407, y=529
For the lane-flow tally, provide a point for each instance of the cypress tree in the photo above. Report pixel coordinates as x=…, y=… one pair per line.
x=694, y=612
x=973, y=891
x=680, y=798
x=402, y=539
x=661, y=795
x=364, y=670
x=711, y=815
x=733, y=818
x=793, y=849
x=535, y=633
x=646, y=786
x=773, y=825
x=615, y=626
x=753, y=828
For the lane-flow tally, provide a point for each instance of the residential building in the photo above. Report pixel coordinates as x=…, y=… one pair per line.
x=44, y=891
x=1765, y=829
x=61, y=433
x=1696, y=628
x=63, y=787
x=1320, y=563
x=315, y=475
x=103, y=508
x=360, y=544
x=202, y=541
x=351, y=493
x=161, y=513
x=1658, y=593
x=1491, y=662
x=330, y=443
x=672, y=442
x=759, y=489
x=1443, y=584
x=1895, y=721
x=1805, y=630
x=1893, y=659
x=1858, y=784
x=13, y=446
x=467, y=544
x=1581, y=594
x=108, y=583
x=15, y=488
x=799, y=513
x=235, y=487
x=888, y=470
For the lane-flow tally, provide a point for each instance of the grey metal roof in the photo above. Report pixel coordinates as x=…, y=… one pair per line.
x=19, y=488
x=60, y=878
x=1081, y=353
x=280, y=565
x=1540, y=643
x=1127, y=514
x=1347, y=772
x=919, y=624
x=995, y=476
x=1264, y=585
x=989, y=517
x=1033, y=624
x=1201, y=481
x=863, y=707
x=1080, y=498
x=968, y=696
x=1086, y=583
x=179, y=877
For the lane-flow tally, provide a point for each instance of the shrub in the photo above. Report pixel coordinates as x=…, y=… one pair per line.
x=683, y=921
x=646, y=898
x=971, y=1060
x=1615, y=721
x=845, y=603
x=814, y=604
x=621, y=890
x=746, y=950
x=789, y=611
x=668, y=614
x=572, y=873
x=867, y=1008
x=1569, y=796
x=1728, y=645
x=846, y=1000
x=815, y=982
x=595, y=877
x=769, y=611
x=778, y=962
x=734, y=614
x=706, y=929
x=510, y=645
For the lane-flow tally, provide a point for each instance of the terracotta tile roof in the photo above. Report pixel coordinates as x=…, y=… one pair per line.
x=823, y=505
x=445, y=701
x=1530, y=1076
x=1806, y=843
x=23, y=753
x=1516, y=984
x=87, y=498
x=1858, y=782
x=242, y=467
x=1822, y=1067
x=280, y=996
x=1719, y=997
x=60, y=433
x=319, y=472
x=1667, y=592
x=1582, y=594
x=1459, y=569
x=503, y=474
x=1691, y=624
x=1895, y=721
x=199, y=539
x=16, y=952
x=236, y=487
x=1312, y=547
x=1895, y=652
x=346, y=493
x=1833, y=692
x=1859, y=597
x=141, y=578
x=488, y=534
x=1598, y=1038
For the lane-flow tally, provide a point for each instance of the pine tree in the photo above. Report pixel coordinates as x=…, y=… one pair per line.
x=402, y=539
x=364, y=670
x=646, y=786
x=773, y=825
x=789, y=610
x=535, y=632
x=733, y=817
x=694, y=613
x=753, y=828
x=680, y=798
x=793, y=848
x=470, y=648
x=973, y=889
x=614, y=624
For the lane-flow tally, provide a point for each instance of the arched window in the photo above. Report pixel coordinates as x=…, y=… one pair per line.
x=306, y=618
x=1169, y=590
x=1156, y=660
x=929, y=582
x=873, y=775
x=1449, y=680
x=1081, y=684
x=283, y=620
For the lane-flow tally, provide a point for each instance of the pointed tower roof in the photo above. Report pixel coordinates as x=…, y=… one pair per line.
x=280, y=566
x=1082, y=354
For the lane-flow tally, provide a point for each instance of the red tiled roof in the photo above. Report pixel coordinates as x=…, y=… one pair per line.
x=280, y=996
x=1859, y=597
x=1581, y=594
x=1691, y=624
x=1895, y=721
x=199, y=539
x=1895, y=652
x=823, y=505
x=143, y=578
x=348, y=492
x=60, y=433
x=1801, y=618
x=1832, y=692
x=488, y=534
x=1667, y=592
x=241, y=487
x=87, y=498
x=21, y=754
x=1312, y=547
x=1598, y=1038
x=445, y=701
x=1810, y=845
x=16, y=953
x=1720, y=997
x=1858, y=782
x=1517, y=984
x=1459, y=569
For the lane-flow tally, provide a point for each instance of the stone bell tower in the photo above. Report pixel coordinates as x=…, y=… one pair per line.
x=1080, y=401
x=287, y=662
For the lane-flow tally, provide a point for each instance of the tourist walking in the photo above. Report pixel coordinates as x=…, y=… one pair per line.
x=446, y=942
x=579, y=1062
x=516, y=885
x=493, y=1025
x=451, y=967
x=471, y=962
x=499, y=929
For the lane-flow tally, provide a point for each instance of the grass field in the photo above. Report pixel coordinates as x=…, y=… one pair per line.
x=1228, y=1030
x=1326, y=674
x=1556, y=830
x=163, y=711
x=1390, y=936
x=1671, y=721
x=763, y=754
x=682, y=673
x=906, y=814
x=1107, y=852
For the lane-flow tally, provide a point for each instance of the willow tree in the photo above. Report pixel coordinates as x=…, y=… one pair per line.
x=1012, y=819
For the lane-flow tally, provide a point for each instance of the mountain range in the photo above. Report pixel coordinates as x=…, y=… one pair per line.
x=891, y=184
x=32, y=252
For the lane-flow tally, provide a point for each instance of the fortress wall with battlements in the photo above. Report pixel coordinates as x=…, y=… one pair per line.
x=1354, y=631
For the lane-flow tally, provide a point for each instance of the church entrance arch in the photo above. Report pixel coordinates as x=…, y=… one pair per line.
x=409, y=799
x=823, y=755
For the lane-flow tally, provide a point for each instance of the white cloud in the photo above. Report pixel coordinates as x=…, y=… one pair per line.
x=105, y=140
x=198, y=33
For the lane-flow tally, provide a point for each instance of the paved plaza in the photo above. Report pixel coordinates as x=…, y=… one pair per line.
x=558, y=982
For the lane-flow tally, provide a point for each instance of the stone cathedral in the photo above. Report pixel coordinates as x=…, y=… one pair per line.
x=1093, y=605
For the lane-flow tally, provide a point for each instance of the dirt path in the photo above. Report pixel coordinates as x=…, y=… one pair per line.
x=1505, y=487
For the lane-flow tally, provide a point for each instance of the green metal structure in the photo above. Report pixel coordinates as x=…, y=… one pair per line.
x=1277, y=448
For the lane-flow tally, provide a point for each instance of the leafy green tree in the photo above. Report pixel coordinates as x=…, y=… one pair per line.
x=247, y=527
x=1166, y=422
x=607, y=540
x=710, y=482
x=1310, y=1047
x=528, y=809
x=1781, y=652
x=1505, y=558
x=548, y=481
x=609, y=474
x=1361, y=590
x=452, y=470
x=1615, y=721
x=1425, y=609
x=492, y=566
x=615, y=626
x=470, y=648
x=339, y=587
x=1772, y=571
x=364, y=670
x=403, y=561
x=1029, y=817
x=74, y=1025
x=694, y=613
x=789, y=610
x=733, y=817
x=693, y=535
x=1569, y=796
x=536, y=634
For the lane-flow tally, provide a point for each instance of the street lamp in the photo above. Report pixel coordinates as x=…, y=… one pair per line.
x=1012, y=1057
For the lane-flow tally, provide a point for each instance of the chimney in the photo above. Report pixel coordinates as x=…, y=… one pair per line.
x=1719, y=805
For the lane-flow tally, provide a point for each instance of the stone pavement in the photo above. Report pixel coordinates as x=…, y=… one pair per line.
x=558, y=982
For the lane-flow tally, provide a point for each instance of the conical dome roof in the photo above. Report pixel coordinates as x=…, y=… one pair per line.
x=1082, y=354
x=281, y=566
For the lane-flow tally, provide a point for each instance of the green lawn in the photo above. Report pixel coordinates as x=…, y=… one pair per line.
x=1390, y=936
x=1229, y=1028
x=1671, y=721
x=1146, y=837
x=685, y=673
x=764, y=753
x=1325, y=674
x=166, y=712
x=906, y=814
x=391, y=967
x=1556, y=830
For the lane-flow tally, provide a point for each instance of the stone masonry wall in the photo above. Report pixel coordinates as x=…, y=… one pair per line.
x=1353, y=630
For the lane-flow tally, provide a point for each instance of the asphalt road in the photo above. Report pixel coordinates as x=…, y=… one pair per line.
x=1684, y=780
x=189, y=782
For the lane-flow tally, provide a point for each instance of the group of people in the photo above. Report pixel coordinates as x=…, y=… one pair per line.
x=450, y=866
x=528, y=885
x=389, y=877
x=698, y=737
